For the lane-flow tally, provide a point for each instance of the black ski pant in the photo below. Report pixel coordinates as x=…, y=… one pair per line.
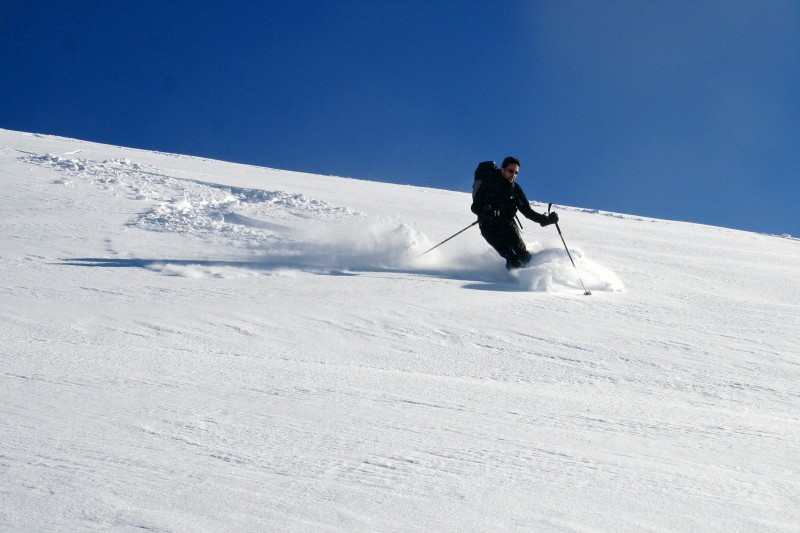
x=504, y=237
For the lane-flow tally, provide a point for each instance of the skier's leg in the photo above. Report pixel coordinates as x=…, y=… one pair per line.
x=504, y=240
x=496, y=237
x=520, y=251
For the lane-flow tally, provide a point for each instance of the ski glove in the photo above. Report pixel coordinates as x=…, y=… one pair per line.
x=552, y=218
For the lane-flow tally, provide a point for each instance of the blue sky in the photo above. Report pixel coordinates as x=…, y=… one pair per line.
x=684, y=110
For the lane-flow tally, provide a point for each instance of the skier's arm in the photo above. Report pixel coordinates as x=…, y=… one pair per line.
x=525, y=208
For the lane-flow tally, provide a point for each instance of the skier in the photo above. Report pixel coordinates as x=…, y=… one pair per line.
x=495, y=199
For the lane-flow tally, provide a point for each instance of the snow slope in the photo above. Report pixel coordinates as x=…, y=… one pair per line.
x=193, y=345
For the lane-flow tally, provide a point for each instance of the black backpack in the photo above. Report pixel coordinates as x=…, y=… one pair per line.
x=485, y=171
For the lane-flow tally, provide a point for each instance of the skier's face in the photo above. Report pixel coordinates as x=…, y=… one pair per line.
x=510, y=172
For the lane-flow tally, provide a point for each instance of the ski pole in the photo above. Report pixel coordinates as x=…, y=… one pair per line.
x=447, y=239
x=585, y=292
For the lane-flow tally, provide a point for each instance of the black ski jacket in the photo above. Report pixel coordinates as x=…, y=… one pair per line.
x=496, y=201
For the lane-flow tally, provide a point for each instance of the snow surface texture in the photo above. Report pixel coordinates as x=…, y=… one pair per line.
x=195, y=345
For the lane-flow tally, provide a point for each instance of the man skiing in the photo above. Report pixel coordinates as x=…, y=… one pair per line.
x=496, y=197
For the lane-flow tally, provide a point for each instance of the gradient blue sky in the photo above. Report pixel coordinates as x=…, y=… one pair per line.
x=685, y=110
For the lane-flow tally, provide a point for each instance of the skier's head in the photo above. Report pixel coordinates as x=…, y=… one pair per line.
x=510, y=168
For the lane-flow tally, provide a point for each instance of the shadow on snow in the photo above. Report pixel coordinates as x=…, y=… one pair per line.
x=477, y=280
